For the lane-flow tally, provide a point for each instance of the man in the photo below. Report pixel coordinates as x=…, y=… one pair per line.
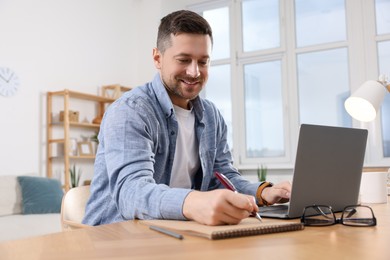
x=160, y=143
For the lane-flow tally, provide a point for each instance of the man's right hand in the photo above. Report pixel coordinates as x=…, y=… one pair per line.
x=218, y=207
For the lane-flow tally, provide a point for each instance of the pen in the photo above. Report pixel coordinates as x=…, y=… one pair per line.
x=166, y=232
x=229, y=185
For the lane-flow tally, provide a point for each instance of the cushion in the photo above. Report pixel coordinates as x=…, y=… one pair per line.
x=40, y=195
x=10, y=196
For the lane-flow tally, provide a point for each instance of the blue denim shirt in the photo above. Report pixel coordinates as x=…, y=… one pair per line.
x=137, y=141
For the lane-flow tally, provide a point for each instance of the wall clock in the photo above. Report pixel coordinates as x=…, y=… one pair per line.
x=9, y=82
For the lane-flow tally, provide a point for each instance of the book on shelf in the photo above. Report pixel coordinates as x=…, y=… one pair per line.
x=247, y=227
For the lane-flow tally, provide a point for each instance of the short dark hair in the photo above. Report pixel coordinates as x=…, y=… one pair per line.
x=183, y=21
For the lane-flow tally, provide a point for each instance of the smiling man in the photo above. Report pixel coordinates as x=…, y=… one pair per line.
x=160, y=144
x=184, y=66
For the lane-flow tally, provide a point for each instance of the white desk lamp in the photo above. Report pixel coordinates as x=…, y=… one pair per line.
x=365, y=102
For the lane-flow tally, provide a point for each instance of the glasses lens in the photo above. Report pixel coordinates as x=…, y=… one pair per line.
x=318, y=216
x=358, y=216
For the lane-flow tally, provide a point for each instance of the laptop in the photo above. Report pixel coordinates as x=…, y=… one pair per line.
x=328, y=170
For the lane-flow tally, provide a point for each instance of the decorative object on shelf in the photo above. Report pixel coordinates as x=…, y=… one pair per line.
x=87, y=182
x=73, y=116
x=73, y=146
x=9, y=82
x=262, y=173
x=94, y=138
x=85, y=121
x=97, y=120
x=55, y=118
x=114, y=91
x=95, y=142
x=74, y=176
x=59, y=152
x=85, y=138
x=85, y=148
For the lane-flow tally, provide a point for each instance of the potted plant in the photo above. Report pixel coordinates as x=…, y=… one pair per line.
x=95, y=142
x=94, y=138
x=262, y=173
x=74, y=176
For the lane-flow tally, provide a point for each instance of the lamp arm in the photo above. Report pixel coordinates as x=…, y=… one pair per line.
x=383, y=80
x=387, y=87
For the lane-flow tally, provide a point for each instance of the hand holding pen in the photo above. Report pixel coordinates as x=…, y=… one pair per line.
x=229, y=185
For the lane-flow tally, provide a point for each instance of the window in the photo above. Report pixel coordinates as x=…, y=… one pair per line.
x=260, y=25
x=322, y=73
x=382, y=10
x=218, y=88
x=384, y=68
x=323, y=87
x=264, y=110
x=219, y=21
x=319, y=22
x=278, y=63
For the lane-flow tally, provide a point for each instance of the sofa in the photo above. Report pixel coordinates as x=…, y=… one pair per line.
x=29, y=206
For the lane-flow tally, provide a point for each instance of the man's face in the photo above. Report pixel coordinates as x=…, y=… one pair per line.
x=184, y=66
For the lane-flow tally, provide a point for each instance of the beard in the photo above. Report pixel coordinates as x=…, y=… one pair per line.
x=184, y=87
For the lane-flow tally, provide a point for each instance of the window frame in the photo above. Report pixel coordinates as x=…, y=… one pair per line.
x=361, y=43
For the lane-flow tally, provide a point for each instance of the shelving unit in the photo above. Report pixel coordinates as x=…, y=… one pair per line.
x=67, y=126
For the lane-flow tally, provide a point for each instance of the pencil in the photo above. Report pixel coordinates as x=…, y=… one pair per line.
x=167, y=232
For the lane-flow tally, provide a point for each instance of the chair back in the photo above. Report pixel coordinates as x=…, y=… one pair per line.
x=73, y=207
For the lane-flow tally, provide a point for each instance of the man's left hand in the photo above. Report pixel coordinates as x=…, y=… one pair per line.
x=279, y=193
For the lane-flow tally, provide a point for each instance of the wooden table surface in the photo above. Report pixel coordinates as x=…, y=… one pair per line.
x=132, y=240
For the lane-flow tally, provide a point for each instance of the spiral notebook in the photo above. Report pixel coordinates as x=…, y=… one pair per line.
x=247, y=227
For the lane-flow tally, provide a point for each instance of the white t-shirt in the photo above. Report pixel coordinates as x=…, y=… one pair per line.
x=186, y=161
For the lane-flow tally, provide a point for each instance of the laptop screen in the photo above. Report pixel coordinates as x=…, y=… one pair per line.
x=328, y=168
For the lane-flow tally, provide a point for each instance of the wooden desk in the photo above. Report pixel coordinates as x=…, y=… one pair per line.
x=133, y=240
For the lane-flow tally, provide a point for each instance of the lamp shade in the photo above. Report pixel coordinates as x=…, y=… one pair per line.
x=365, y=102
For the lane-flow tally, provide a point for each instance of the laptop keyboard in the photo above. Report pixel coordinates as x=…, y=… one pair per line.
x=282, y=209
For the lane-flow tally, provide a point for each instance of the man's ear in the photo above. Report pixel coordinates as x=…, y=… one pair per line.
x=157, y=58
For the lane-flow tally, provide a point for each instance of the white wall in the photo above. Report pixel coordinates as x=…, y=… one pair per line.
x=57, y=44
x=79, y=45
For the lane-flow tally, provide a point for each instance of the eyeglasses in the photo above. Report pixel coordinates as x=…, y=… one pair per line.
x=321, y=215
